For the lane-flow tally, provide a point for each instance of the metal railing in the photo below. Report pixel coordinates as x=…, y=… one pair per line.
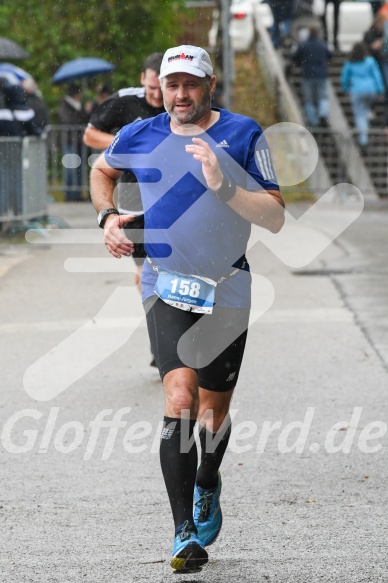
x=344, y=161
x=23, y=178
x=375, y=157
x=68, y=162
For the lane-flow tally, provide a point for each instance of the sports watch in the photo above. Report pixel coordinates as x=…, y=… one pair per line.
x=227, y=189
x=102, y=215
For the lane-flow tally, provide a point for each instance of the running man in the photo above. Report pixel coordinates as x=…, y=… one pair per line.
x=120, y=109
x=205, y=175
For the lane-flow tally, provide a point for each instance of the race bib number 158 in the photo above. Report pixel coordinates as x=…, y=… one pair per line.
x=186, y=292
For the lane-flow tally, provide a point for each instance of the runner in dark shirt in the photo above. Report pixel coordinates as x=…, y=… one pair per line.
x=122, y=108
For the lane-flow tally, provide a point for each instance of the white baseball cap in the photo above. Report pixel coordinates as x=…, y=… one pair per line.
x=186, y=59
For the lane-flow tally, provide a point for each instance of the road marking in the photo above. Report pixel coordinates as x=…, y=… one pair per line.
x=71, y=325
x=7, y=263
x=304, y=316
x=308, y=315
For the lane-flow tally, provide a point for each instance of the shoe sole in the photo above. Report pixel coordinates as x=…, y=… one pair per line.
x=192, y=556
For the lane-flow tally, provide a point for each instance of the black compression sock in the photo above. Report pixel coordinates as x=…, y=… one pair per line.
x=213, y=446
x=179, y=465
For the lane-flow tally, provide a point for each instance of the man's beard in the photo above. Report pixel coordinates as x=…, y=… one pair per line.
x=195, y=114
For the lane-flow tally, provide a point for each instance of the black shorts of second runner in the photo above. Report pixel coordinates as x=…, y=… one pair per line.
x=212, y=344
x=139, y=253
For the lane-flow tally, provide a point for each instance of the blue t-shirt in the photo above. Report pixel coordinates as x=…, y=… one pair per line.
x=187, y=228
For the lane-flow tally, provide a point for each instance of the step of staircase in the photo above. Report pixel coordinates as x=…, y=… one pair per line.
x=374, y=155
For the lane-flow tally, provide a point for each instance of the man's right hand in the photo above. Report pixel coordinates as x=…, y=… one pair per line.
x=114, y=238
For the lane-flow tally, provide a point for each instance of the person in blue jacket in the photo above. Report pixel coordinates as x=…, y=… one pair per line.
x=362, y=79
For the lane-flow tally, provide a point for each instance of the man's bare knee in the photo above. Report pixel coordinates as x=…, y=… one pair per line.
x=181, y=393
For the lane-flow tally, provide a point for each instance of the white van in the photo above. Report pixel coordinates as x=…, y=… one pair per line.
x=354, y=20
x=242, y=23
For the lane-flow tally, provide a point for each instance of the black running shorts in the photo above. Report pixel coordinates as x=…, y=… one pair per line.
x=212, y=344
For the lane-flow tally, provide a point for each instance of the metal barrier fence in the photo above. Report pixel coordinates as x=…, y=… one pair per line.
x=23, y=178
x=339, y=160
x=68, y=162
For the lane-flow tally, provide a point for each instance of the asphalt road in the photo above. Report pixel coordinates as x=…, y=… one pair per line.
x=305, y=476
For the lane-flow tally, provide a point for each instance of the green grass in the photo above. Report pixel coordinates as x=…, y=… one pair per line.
x=251, y=97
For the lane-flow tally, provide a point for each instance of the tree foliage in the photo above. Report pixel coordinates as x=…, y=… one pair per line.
x=122, y=32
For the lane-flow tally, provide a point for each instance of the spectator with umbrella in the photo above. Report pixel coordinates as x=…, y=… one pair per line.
x=80, y=69
x=102, y=93
x=71, y=109
x=72, y=112
x=14, y=74
x=16, y=117
x=36, y=102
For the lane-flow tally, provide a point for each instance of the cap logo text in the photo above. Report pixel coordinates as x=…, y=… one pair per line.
x=181, y=56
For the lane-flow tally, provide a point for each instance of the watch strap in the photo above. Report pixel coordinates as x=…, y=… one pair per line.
x=102, y=216
x=227, y=189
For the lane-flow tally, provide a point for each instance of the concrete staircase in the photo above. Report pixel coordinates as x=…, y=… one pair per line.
x=338, y=144
x=375, y=154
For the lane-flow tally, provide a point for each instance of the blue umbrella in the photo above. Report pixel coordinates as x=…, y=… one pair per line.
x=13, y=73
x=79, y=68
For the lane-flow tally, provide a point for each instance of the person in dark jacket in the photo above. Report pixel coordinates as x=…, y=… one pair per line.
x=282, y=12
x=16, y=116
x=375, y=41
x=313, y=57
x=336, y=18
x=72, y=112
x=36, y=102
x=103, y=92
x=376, y=5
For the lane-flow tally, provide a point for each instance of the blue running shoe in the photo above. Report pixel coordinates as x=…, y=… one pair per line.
x=207, y=513
x=188, y=553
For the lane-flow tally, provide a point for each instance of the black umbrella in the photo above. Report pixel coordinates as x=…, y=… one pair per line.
x=10, y=50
